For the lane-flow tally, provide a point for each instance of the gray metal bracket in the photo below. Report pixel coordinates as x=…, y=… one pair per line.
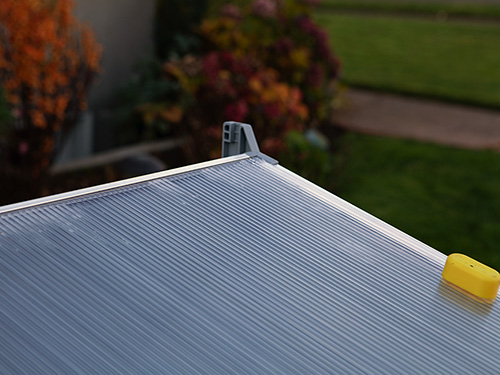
x=238, y=138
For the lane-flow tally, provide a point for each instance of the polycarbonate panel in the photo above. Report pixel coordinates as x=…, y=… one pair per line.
x=237, y=268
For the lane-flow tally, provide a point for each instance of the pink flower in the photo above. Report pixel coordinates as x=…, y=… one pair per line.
x=23, y=147
x=16, y=113
x=265, y=8
x=231, y=11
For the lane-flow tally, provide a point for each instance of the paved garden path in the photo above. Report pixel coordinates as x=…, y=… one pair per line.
x=425, y=120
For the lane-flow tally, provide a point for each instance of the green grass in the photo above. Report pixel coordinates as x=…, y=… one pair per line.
x=445, y=197
x=456, y=61
x=451, y=8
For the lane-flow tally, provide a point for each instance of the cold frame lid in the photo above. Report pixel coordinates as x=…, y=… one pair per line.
x=233, y=266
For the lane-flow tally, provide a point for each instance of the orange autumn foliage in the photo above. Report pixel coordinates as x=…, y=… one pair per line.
x=40, y=54
x=47, y=62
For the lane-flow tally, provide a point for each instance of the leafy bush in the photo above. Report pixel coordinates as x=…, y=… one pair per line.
x=267, y=64
x=47, y=62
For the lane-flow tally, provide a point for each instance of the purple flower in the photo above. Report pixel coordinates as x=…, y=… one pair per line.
x=315, y=76
x=305, y=24
x=265, y=8
x=284, y=45
x=23, y=147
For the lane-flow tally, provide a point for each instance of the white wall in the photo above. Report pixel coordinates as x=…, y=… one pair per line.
x=124, y=28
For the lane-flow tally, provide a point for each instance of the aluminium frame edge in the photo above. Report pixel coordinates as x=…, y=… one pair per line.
x=119, y=184
x=365, y=217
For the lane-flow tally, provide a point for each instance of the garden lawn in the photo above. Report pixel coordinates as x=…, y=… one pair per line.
x=457, y=61
x=448, y=198
x=448, y=8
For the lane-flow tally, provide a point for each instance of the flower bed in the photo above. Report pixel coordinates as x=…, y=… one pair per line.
x=267, y=64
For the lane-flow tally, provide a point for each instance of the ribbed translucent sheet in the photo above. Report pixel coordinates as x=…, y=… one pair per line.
x=237, y=268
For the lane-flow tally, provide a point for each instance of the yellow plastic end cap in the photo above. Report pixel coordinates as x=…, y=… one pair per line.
x=470, y=275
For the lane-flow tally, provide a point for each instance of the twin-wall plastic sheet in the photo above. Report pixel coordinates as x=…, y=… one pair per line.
x=237, y=268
